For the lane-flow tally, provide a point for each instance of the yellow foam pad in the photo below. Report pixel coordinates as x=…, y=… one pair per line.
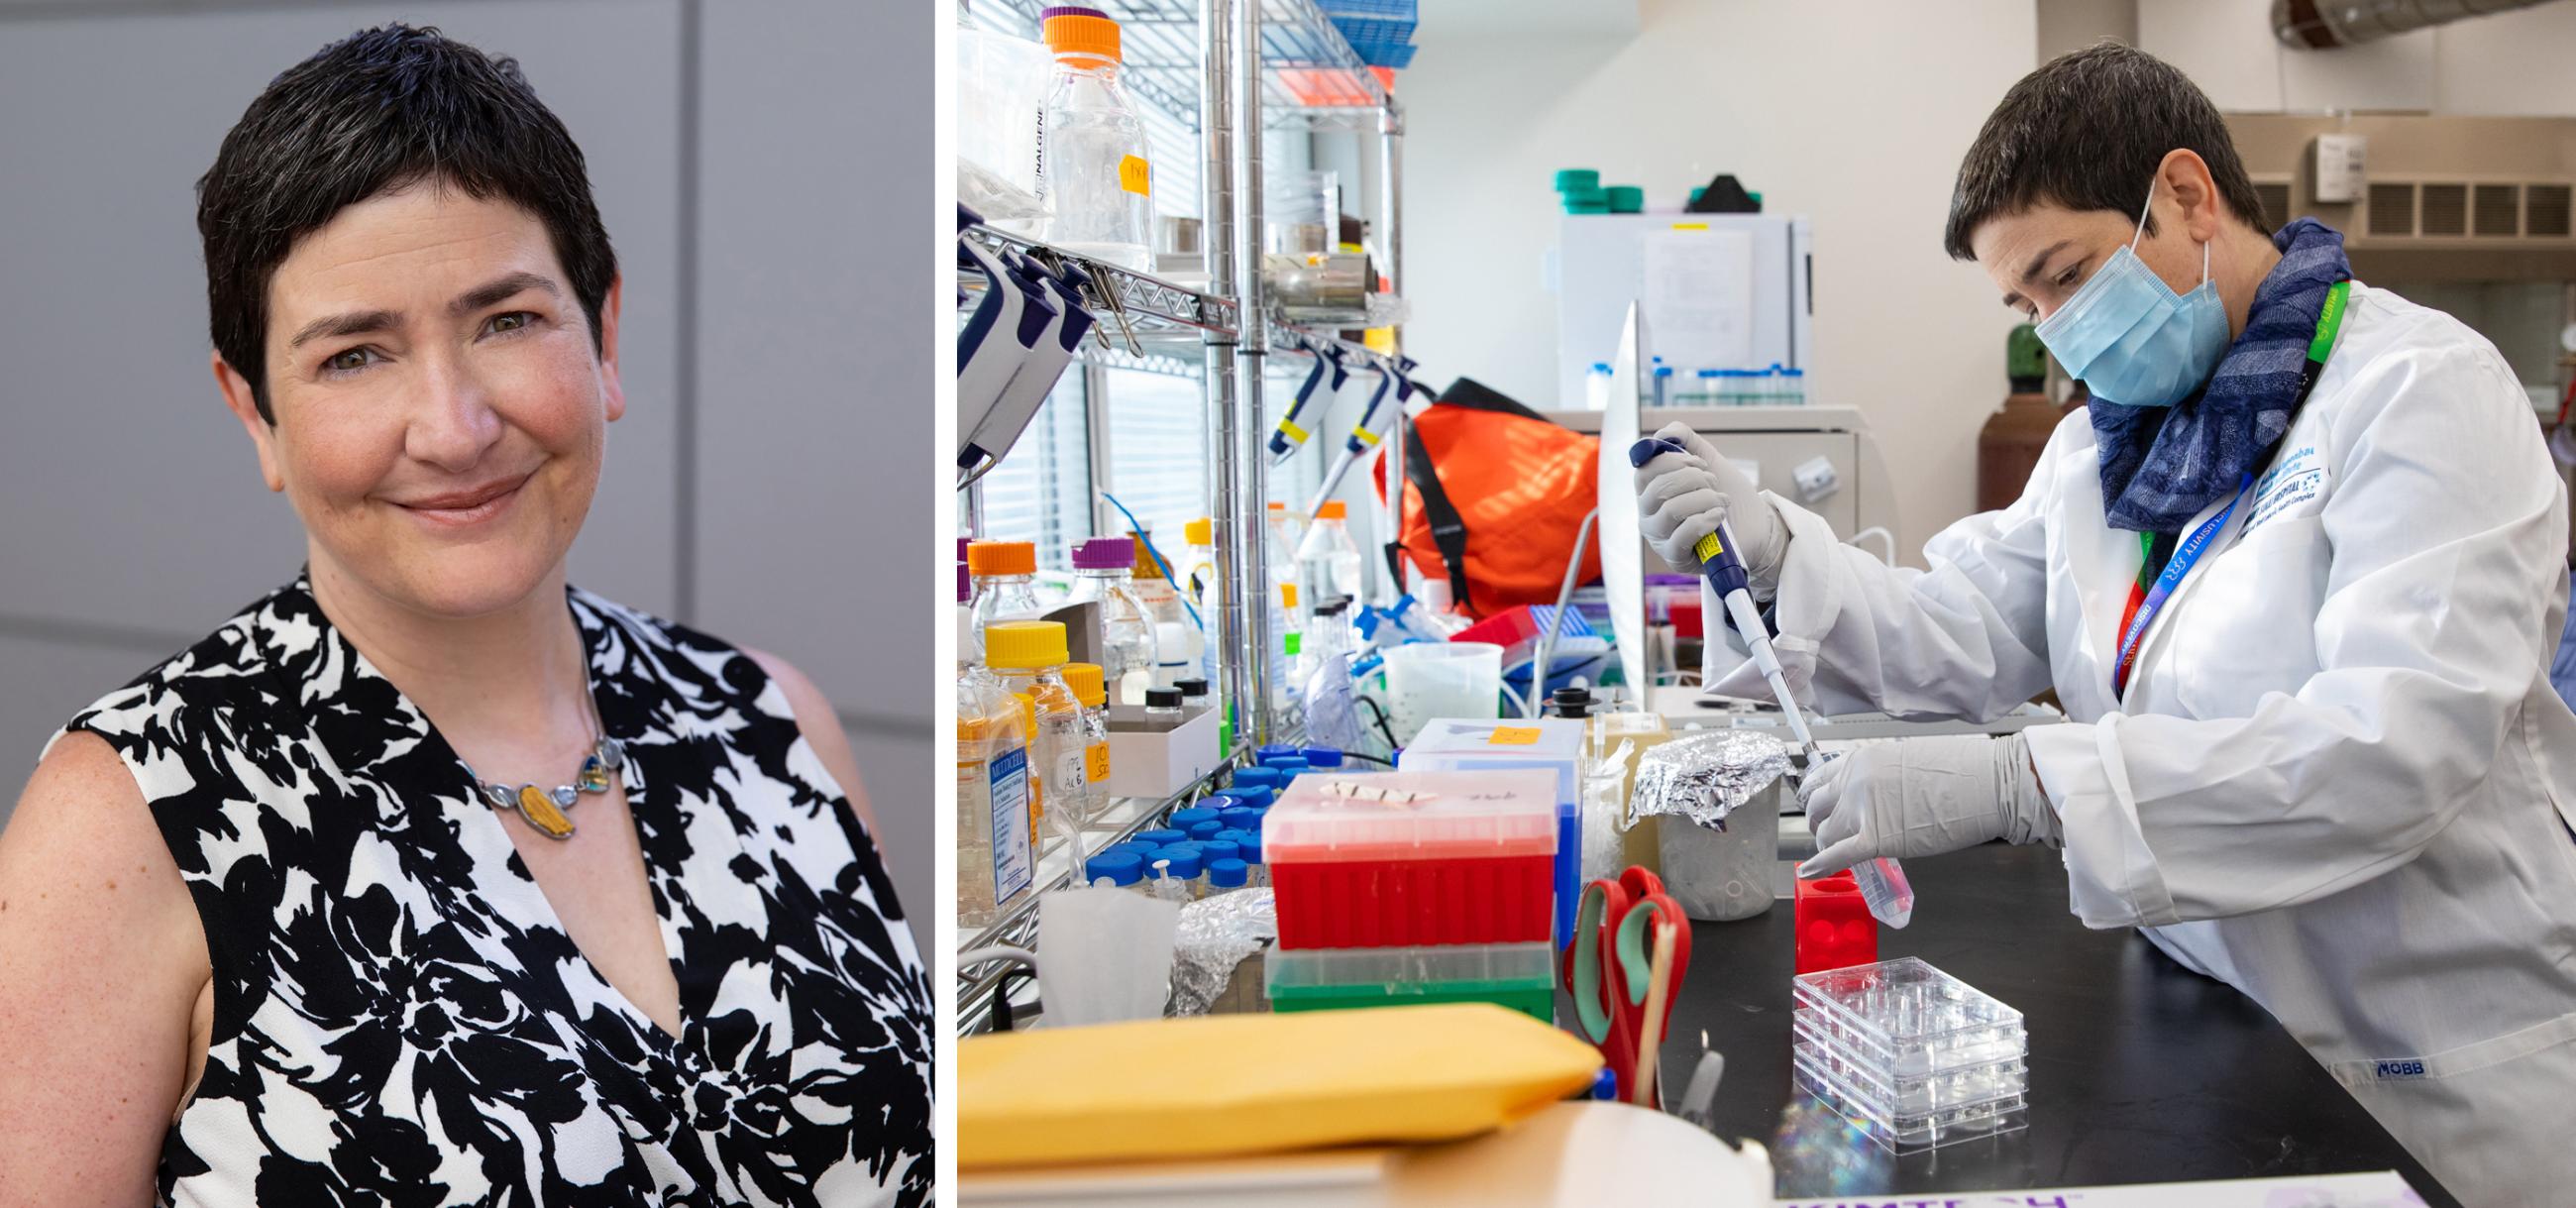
x=1224, y=1085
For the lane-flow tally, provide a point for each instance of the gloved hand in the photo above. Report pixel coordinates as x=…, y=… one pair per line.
x=1683, y=497
x=1923, y=797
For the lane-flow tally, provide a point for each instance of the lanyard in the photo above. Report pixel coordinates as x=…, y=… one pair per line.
x=2187, y=554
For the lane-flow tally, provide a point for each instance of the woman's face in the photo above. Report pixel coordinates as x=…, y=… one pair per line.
x=440, y=412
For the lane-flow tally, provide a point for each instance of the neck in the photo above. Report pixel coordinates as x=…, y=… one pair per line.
x=2244, y=258
x=509, y=689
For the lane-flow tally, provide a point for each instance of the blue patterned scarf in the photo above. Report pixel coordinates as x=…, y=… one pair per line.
x=2162, y=466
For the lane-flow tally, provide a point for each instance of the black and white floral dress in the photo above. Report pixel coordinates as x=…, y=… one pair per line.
x=401, y=1019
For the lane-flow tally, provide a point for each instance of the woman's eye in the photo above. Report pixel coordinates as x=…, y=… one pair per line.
x=512, y=321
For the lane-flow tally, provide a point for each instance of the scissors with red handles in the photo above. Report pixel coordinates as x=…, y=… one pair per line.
x=1609, y=969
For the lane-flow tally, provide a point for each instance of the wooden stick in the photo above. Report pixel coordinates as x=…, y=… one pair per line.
x=1650, y=1030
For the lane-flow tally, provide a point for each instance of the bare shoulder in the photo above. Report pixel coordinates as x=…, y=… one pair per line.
x=821, y=725
x=98, y=938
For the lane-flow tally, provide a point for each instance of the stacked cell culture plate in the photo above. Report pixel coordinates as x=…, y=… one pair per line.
x=1910, y=1055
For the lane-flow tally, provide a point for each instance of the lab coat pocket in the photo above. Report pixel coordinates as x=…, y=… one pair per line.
x=2487, y=1117
x=2249, y=628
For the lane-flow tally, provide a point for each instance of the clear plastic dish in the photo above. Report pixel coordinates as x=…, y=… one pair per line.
x=1912, y=1096
x=1913, y=1132
x=1908, y=1018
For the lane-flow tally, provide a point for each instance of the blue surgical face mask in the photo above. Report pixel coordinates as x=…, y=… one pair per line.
x=2131, y=339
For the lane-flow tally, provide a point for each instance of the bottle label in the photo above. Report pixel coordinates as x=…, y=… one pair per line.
x=1134, y=176
x=1014, y=860
x=1292, y=642
x=1096, y=761
x=1513, y=736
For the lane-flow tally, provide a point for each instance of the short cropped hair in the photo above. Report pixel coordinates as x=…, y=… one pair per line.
x=380, y=110
x=2086, y=131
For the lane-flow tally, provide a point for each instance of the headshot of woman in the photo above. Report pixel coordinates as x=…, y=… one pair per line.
x=430, y=877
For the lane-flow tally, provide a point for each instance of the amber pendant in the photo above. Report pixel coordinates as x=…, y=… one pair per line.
x=594, y=776
x=539, y=808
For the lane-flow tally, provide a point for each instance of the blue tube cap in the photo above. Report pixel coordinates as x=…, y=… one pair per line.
x=1252, y=798
x=1291, y=764
x=1185, y=862
x=1260, y=777
x=1228, y=873
x=1323, y=757
x=1219, y=849
x=1162, y=836
x=1241, y=817
x=1274, y=751
x=1181, y=819
x=1121, y=868
x=1206, y=829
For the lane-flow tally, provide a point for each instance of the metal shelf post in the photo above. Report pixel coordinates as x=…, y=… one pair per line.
x=1252, y=352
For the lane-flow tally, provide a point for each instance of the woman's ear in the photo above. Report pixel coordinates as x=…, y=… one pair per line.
x=2186, y=175
x=614, y=389
x=244, y=405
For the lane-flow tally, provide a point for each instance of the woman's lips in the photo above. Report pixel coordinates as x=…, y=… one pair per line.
x=462, y=508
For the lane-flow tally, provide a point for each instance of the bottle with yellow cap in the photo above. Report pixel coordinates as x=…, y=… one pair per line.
x=1091, y=689
x=997, y=855
x=1093, y=170
x=1029, y=657
x=1328, y=560
x=1002, y=583
x=1198, y=577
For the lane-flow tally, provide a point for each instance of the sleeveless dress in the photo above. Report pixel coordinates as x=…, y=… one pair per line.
x=401, y=1019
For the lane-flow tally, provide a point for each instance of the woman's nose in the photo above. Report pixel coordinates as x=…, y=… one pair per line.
x=453, y=422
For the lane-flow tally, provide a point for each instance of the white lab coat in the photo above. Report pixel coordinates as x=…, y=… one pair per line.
x=2341, y=781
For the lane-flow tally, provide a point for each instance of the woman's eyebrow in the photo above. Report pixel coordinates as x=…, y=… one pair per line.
x=349, y=324
x=499, y=288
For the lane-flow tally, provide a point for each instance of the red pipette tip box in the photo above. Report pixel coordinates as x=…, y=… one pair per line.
x=1441, y=858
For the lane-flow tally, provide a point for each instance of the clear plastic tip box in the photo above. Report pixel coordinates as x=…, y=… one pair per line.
x=1912, y=1056
x=1384, y=859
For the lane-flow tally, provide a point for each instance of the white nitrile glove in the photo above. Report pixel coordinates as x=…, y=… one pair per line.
x=1684, y=497
x=1923, y=797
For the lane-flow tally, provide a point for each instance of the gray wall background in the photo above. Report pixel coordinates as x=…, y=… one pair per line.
x=763, y=167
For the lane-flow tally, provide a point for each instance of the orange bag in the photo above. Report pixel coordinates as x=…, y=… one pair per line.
x=1494, y=497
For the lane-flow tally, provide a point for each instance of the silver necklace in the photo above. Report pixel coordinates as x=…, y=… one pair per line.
x=549, y=810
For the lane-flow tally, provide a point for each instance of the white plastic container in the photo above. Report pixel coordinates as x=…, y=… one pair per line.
x=1428, y=680
x=1094, y=173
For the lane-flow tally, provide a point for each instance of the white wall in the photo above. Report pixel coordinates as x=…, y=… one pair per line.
x=1854, y=115
x=2509, y=64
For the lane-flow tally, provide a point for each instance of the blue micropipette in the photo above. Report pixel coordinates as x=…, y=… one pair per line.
x=1882, y=882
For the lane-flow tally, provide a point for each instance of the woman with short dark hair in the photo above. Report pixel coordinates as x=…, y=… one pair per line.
x=2293, y=573
x=429, y=879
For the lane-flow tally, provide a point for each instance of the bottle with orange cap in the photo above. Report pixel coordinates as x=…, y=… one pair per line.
x=1002, y=583
x=1279, y=545
x=1093, y=167
x=1328, y=560
x=1029, y=658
